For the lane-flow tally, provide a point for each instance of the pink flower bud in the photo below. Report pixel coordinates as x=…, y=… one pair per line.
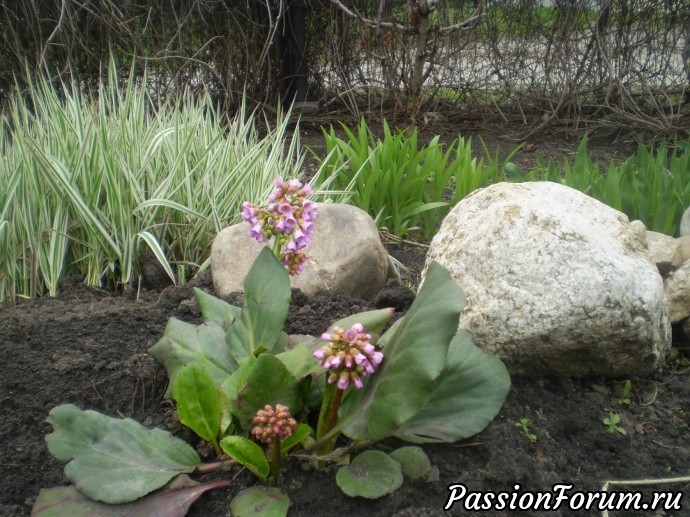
x=348, y=356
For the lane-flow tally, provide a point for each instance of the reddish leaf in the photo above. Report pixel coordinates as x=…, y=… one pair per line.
x=173, y=500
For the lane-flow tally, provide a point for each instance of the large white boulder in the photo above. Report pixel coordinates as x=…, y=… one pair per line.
x=345, y=256
x=556, y=282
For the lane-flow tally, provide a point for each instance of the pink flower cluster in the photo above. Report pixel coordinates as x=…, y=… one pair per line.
x=270, y=424
x=348, y=356
x=289, y=218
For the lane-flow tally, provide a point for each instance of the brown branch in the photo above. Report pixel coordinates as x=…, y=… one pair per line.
x=378, y=24
x=371, y=23
x=468, y=23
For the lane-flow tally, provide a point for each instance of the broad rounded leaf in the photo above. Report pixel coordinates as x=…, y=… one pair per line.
x=415, y=463
x=233, y=384
x=184, y=343
x=466, y=397
x=414, y=357
x=260, y=501
x=198, y=404
x=372, y=321
x=372, y=474
x=247, y=453
x=300, y=361
x=269, y=382
x=216, y=310
x=115, y=460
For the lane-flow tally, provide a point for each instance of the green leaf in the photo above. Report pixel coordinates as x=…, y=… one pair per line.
x=115, y=460
x=415, y=463
x=269, y=382
x=372, y=474
x=302, y=431
x=226, y=413
x=172, y=501
x=233, y=384
x=414, y=357
x=216, y=310
x=184, y=343
x=465, y=397
x=373, y=322
x=267, y=295
x=247, y=453
x=260, y=501
x=158, y=252
x=300, y=360
x=198, y=404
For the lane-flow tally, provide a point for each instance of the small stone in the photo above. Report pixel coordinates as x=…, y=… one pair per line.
x=664, y=252
x=677, y=287
x=684, y=243
x=345, y=256
x=685, y=223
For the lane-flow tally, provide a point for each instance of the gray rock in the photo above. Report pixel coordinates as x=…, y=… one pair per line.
x=677, y=286
x=685, y=223
x=345, y=256
x=684, y=243
x=664, y=251
x=556, y=282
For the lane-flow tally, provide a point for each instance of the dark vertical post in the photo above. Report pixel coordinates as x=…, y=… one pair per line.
x=294, y=58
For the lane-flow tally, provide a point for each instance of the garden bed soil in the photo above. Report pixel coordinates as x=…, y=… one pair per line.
x=89, y=347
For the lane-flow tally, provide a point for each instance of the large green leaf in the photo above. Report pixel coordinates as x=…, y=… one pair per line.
x=269, y=382
x=115, y=460
x=267, y=295
x=415, y=355
x=300, y=360
x=172, y=501
x=372, y=474
x=184, y=343
x=372, y=321
x=260, y=501
x=216, y=310
x=235, y=382
x=198, y=403
x=466, y=396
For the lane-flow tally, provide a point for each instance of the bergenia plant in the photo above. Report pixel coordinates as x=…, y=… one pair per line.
x=271, y=426
x=288, y=221
x=248, y=389
x=347, y=357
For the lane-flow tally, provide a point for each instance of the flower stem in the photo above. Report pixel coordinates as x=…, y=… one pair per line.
x=332, y=418
x=276, y=247
x=276, y=458
x=331, y=405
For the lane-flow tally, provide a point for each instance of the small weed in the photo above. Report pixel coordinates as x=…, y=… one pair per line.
x=625, y=396
x=612, y=421
x=524, y=424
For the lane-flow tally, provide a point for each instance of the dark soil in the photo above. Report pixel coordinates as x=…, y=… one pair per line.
x=89, y=348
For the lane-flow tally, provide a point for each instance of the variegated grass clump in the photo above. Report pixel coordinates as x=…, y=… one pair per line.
x=89, y=182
